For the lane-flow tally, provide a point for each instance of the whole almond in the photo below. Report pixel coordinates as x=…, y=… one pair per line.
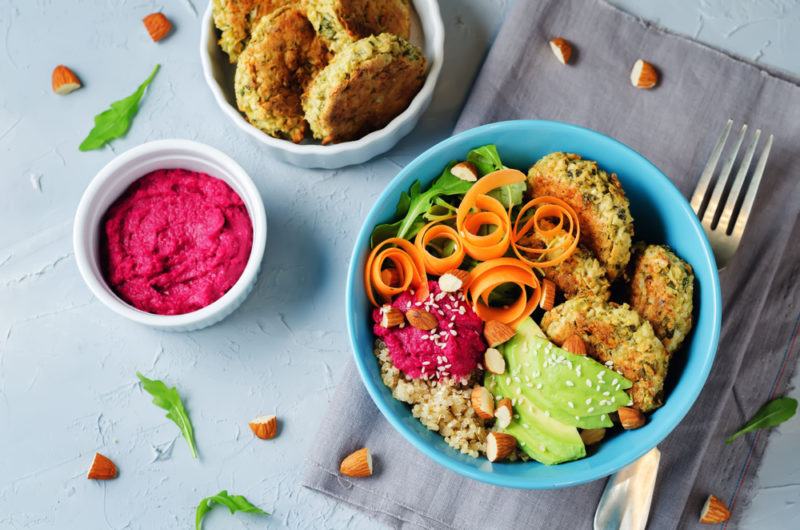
x=714, y=511
x=482, y=402
x=465, y=171
x=496, y=333
x=421, y=319
x=630, y=418
x=503, y=412
x=357, y=464
x=102, y=468
x=499, y=445
x=265, y=427
x=494, y=361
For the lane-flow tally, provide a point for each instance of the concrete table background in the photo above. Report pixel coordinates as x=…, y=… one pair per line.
x=67, y=384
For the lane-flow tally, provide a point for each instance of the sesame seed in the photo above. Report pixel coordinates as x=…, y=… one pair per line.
x=606, y=393
x=526, y=425
x=538, y=386
x=589, y=383
x=547, y=413
x=425, y=363
x=569, y=383
x=516, y=379
x=602, y=417
x=571, y=404
x=519, y=391
x=453, y=332
x=590, y=409
x=588, y=401
x=424, y=337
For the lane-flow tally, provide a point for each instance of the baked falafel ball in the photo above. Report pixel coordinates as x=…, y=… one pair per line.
x=581, y=274
x=661, y=290
x=235, y=20
x=615, y=333
x=282, y=56
x=364, y=87
x=598, y=199
x=340, y=22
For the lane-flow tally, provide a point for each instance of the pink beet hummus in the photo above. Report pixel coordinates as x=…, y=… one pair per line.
x=451, y=350
x=175, y=242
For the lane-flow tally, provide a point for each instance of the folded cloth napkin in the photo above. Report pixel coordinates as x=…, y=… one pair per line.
x=675, y=126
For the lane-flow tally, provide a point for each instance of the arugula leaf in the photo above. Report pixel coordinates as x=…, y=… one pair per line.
x=414, y=205
x=487, y=160
x=116, y=120
x=169, y=400
x=773, y=413
x=235, y=503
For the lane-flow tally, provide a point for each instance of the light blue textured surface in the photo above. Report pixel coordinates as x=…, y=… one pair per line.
x=660, y=211
x=67, y=384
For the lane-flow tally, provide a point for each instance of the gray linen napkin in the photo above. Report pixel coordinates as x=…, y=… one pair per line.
x=675, y=126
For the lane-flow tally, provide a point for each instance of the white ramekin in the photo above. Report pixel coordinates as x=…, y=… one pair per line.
x=115, y=178
x=219, y=73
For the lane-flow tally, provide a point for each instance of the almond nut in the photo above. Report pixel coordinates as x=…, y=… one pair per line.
x=64, y=80
x=644, y=75
x=493, y=361
x=461, y=275
x=548, y=299
x=357, y=464
x=503, y=412
x=465, y=171
x=482, y=402
x=421, y=319
x=450, y=283
x=102, y=468
x=630, y=418
x=392, y=317
x=499, y=445
x=562, y=49
x=574, y=344
x=496, y=333
x=157, y=25
x=592, y=436
x=714, y=511
x=265, y=427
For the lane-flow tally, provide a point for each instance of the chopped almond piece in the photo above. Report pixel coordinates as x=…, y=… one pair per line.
x=499, y=445
x=630, y=418
x=392, y=316
x=482, y=402
x=496, y=333
x=390, y=277
x=265, y=427
x=548, y=299
x=493, y=361
x=503, y=413
x=644, y=75
x=157, y=25
x=562, y=49
x=465, y=171
x=714, y=511
x=64, y=80
x=592, y=436
x=102, y=468
x=574, y=344
x=357, y=464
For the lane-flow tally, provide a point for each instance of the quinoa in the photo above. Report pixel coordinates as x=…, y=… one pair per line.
x=443, y=407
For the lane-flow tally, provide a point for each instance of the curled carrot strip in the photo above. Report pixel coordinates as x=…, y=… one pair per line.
x=431, y=231
x=408, y=262
x=490, y=212
x=566, y=222
x=489, y=275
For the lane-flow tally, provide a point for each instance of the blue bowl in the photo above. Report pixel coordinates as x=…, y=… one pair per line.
x=660, y=214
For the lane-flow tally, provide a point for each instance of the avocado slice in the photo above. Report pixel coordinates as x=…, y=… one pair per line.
x=574, y=389
x=541, y=436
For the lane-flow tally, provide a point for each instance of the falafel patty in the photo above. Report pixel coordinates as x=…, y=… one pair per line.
x=662, y=287
x=235, y=18
x=598, y=199
x=340, y=22
x=581, y=274
x=364, y=87
x=282, y=56
x=618, y=334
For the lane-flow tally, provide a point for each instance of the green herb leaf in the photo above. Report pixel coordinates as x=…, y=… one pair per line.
x=116, y=120
x=169, y=400
x=413, y=205
x=773, y=413
x=487, y=160
x=235, y=503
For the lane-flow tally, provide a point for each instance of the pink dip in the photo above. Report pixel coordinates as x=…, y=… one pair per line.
x=175, y=242
x=451, y=350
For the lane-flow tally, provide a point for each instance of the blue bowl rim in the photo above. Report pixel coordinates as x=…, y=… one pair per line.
x=599, y=470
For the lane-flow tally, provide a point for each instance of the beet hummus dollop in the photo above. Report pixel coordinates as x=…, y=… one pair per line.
x=451, y=350
x=175, y=242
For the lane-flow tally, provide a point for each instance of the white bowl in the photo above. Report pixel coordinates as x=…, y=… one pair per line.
x=114, y=179
x=427, y=31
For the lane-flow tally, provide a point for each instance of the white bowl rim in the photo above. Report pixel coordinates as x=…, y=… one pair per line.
x=415, y=108
x=98, y=286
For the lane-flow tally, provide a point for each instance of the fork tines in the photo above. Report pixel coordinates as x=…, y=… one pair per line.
x=735, y=195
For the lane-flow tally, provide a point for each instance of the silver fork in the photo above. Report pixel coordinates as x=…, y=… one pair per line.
x=724, y=226
x=625, y=503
